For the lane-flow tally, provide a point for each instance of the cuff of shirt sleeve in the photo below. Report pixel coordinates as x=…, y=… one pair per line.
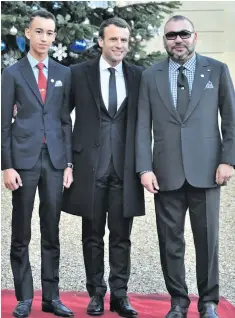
x=142, y=172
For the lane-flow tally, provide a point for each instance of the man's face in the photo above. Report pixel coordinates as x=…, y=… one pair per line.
x=114, y=44
x=41, y=34
x=180, y=50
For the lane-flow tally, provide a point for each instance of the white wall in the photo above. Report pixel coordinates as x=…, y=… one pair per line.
x=215, y=23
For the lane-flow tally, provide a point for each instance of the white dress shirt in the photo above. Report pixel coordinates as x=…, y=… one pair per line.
x=104, y=82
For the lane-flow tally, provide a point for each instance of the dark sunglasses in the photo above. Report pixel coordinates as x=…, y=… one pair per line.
x=184, y=34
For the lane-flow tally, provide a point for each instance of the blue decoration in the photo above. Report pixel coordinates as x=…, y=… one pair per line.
x=89, y=43
x=3, y=46
x=20, y=41
x=78, y=46
x=56, y=5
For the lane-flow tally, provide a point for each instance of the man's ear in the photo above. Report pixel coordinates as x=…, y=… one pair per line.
x=100, y=41
x=164, y=41
x=55, y=34
x=27, y=33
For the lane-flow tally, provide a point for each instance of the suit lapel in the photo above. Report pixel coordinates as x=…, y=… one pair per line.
x=129, y=80
x=161, y=73
x=93, y=76
x=201, y=77
x=27, y=72
x=52, y=73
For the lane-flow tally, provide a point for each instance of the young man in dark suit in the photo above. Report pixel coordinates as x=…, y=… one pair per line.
x=105, y=92
x=36, y=153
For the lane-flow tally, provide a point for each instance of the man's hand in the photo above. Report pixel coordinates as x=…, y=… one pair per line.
x=68, y=177
x=223, y=173
x=12, y=179
x=149, y=181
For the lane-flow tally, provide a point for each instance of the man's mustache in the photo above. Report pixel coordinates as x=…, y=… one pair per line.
x=182, y=46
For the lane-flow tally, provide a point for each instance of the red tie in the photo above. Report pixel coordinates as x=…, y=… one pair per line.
x=42, y=81
x=42, y=86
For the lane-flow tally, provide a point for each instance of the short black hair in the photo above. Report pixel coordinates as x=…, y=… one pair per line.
x=42, y=13
x=115, y=21
x=179, y=18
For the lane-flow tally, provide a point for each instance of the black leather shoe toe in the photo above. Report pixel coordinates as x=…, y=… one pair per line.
x=123, y=307
x=177, y=312
x=96, y=305
x=23, y=309
x=209, y=310
x=57, y=307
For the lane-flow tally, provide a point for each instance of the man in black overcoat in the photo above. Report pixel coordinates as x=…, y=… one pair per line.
x=106, y=186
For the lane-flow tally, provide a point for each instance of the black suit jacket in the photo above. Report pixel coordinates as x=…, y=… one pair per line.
x=22, y=139
x=79, y=199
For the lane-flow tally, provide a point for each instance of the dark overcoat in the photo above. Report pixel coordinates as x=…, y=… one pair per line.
x=85, y=97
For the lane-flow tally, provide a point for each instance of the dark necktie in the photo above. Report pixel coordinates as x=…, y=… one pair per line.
x=42, y=86
x=182, y=93
x=42, y=81
x=112, y=107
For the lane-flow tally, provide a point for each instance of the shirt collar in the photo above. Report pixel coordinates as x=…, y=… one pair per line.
x=33, y=62
x=189, y=65
x=104, y=65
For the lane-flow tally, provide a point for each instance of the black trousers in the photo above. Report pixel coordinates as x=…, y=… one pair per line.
x=203, y=205
x=108, y=198
x=50, y=185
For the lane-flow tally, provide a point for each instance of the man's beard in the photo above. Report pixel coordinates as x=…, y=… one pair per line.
x=181, y=57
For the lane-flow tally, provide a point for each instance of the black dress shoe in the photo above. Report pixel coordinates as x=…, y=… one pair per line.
x=23, y=308
x=209, y=310
x=56, y=307
x=123, y=307
x=96, y=305
x=177, y=312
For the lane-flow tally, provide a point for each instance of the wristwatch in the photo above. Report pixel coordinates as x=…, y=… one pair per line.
x=69, y=165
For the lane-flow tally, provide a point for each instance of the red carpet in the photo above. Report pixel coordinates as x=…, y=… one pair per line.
x=148, y=306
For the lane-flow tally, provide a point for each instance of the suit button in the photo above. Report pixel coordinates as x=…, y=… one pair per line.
x=93, y=169
x=96, y=145
x=183, y=125
x=45, y=113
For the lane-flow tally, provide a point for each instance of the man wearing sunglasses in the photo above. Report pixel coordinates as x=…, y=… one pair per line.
x=180, y=99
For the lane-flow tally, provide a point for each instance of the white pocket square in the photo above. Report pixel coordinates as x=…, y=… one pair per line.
x=58, y=83
x=209, y=85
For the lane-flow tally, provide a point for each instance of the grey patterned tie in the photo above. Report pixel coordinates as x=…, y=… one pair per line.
x=112, y=107
x=182, y=93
